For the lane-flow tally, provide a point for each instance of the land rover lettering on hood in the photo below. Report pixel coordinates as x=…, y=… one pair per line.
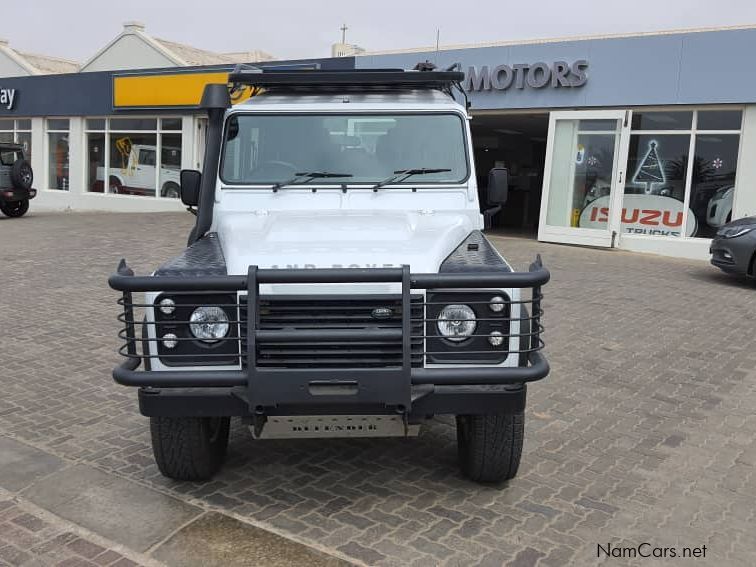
x=336, y=282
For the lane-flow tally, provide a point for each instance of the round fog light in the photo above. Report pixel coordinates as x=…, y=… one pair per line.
x=208, y=324
x=170, y=340
x=496, y=338
x=167, y=306
x=496, y=304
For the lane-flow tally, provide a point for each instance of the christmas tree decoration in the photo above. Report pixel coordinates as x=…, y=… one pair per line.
x=651, y=169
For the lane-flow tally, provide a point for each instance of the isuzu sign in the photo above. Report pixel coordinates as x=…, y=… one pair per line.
x=641, y=214
x=555, y=75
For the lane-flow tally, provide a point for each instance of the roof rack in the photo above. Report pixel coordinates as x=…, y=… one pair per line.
x=351, y=80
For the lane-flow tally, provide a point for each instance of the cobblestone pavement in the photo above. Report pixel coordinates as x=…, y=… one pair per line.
x=30, y=536
x=644, y=432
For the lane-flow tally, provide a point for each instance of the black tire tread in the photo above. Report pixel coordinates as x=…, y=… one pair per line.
x=9, y=209
x=183, y=450
x=170, y=185
x=492, y=453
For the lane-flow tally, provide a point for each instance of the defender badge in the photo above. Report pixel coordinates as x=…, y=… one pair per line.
x=381, y=313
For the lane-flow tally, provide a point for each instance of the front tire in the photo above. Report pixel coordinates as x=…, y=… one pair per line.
x=170, y=191
x=115, y=187
x=490, y=446
x=14, y=209
x=189, y=448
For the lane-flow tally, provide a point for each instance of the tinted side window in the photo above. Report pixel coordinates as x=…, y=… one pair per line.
x=146, y=157
x=7, y=158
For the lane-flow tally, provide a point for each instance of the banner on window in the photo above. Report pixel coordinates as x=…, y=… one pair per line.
x=654, y=215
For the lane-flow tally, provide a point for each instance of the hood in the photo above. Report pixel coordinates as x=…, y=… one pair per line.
x=341, y=239
x=745, y=221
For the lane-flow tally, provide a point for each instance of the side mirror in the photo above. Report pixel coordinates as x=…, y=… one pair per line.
x=191, y=180
x=498, y=186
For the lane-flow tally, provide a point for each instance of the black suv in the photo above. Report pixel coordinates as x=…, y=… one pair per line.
x=16, y=179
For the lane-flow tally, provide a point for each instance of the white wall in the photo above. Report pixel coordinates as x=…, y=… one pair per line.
x=745, y=180
x=9, y=68
x=691, y=248
x=128, y=52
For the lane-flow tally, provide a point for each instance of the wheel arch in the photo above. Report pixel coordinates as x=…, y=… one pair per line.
x=168, y=184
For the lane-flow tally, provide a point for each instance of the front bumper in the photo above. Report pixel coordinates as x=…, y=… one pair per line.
x=254, y=390
x=733, y=255
x=16, y=194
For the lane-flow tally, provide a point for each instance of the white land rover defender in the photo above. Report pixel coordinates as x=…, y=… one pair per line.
x=336, y=282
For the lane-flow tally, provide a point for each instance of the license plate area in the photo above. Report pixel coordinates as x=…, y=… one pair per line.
x=335, y=426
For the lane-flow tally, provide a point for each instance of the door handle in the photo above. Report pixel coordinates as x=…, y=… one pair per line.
x=620, y=176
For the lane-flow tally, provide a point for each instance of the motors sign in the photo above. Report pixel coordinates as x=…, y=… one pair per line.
x=641, y=214
x=559, y=74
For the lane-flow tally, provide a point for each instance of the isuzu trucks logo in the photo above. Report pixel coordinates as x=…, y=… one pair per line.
x=7, y=98
x=641, y=214
x=559, y=74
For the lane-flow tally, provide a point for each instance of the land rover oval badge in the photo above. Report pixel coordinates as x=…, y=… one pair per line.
x=381, y=313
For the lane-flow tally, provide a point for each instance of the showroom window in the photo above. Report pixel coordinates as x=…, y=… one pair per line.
x=693, y=196
x=19, y=132
x=142, y=156
x=58, y=132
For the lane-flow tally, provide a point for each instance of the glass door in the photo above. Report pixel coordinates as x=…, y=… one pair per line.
x=583, y=180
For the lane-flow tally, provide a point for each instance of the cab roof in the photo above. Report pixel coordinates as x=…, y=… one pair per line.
x=422, y=88
x=413, y=100
x=424, y=76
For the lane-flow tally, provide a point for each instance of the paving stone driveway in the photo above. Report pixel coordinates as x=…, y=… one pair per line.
x=644, y=432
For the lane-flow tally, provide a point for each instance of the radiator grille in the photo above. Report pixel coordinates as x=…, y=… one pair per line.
x=333, y=313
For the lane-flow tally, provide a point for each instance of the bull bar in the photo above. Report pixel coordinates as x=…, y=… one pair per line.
x=260, y=388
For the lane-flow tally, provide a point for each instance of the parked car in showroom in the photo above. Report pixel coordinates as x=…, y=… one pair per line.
x=138, y=175
x=16, y=177
x=734, y=248
x=719, y=209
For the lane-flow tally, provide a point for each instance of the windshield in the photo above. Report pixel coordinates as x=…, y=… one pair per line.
x=268, y=149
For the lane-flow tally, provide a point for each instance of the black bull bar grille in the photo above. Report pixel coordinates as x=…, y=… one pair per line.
x=339, y=352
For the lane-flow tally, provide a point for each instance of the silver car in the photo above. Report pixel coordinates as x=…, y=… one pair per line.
x=733, y=250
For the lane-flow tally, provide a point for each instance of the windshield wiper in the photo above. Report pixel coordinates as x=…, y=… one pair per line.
x=305, y=176
x=402, y=174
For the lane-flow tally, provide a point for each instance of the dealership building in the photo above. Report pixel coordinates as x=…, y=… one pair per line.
x=644, y=142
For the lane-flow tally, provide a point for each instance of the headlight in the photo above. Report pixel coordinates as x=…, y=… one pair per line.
x=497, y=304
x=208, y=324
x=167, y=306
x=735, y=231
x=456, y=322
x=719, y=193
x=170, y=340
x=496, y=338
